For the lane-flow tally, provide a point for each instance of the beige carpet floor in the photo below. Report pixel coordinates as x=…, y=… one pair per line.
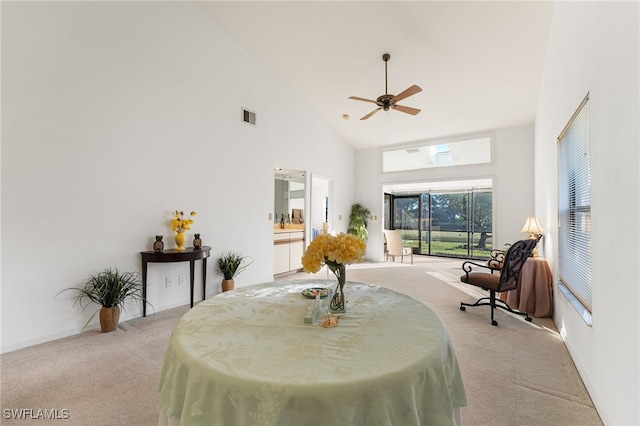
x=518, y=373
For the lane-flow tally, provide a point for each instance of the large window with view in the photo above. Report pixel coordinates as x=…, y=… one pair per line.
x=574, y=206
x=452, y=224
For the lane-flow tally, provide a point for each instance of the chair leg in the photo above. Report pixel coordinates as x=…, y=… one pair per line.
x=505, y=306
x=493, y=302
x=492, y=296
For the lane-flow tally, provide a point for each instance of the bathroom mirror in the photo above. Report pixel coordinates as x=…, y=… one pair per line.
x=289, y=198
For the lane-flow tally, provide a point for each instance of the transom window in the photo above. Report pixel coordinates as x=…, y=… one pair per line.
x=459, y=153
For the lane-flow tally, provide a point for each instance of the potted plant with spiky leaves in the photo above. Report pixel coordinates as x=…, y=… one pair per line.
x=110, y=289
x=230, y=265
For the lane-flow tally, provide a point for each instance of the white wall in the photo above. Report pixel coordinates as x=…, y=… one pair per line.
x=593, y=48
x=511, y=171
x=117, y=113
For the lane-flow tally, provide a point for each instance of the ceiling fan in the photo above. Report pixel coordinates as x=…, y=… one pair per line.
x=387, y=101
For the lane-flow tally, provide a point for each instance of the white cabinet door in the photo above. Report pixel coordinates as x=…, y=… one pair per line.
x=280, y=258
x=287, y=251
x=296, y=249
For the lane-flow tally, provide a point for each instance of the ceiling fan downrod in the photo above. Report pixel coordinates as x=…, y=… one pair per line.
x=385, y=58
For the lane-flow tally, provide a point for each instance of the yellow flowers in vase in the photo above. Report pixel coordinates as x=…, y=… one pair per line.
x=335, y=252
x=341, y=249
x=179, y=224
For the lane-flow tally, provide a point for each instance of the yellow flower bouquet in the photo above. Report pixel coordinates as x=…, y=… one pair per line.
x=179, y=224
x=335, y=252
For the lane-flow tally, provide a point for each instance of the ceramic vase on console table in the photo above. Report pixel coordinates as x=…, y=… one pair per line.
x=179, y=224
x=158, y=244
x=181, y=240
x=197, y=242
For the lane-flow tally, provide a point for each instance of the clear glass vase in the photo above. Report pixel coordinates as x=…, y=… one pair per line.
x=338, y=303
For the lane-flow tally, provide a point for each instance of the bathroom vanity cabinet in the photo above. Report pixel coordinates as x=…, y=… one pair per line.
x=288, y=248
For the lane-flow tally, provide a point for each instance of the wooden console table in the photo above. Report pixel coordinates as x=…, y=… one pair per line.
x=172, y=255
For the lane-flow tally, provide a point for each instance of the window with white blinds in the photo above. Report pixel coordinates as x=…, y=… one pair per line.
x=574, y=205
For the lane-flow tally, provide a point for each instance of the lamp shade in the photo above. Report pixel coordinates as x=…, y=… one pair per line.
x=531, y=226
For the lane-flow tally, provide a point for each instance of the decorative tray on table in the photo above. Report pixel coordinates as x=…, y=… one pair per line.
x=312, y=292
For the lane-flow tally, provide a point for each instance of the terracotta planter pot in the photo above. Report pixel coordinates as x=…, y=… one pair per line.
x=228, y=285
x=109, y=318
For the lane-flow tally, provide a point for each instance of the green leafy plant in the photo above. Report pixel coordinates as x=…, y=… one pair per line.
x=108, y=289
x=231, y=264
x=358, y=220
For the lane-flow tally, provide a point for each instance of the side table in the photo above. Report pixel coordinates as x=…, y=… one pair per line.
x=534, y=294
x=172, y=255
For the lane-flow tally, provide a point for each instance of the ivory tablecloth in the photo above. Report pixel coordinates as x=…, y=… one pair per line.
x=246, y=357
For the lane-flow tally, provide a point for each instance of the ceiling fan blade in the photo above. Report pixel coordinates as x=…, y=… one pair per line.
x=356, y=98
x=408, y=110
x=410, y=91
x=371, y=113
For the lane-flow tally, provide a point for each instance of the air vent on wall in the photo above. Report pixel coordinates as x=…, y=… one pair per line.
x=248, y=116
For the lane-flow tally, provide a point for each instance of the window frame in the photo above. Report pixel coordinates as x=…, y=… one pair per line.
x=574, y=210
x=425, y=231
x=435, y=143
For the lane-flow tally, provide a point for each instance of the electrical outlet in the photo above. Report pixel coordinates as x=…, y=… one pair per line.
x=181, y=280
x=168, y=282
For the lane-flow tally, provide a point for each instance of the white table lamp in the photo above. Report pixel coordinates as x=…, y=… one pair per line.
x=533, y=228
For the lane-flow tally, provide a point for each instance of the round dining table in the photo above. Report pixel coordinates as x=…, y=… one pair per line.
x=247, y=357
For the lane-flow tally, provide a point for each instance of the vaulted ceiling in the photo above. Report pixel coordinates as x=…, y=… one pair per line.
x=479, y=63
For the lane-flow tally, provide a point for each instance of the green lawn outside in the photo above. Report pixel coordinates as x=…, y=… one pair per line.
x=449, y=243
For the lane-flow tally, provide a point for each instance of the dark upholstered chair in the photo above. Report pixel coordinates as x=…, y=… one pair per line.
x=509, y=269
x=497, y=257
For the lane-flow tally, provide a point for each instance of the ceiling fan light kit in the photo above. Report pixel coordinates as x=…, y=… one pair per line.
x=386, y=102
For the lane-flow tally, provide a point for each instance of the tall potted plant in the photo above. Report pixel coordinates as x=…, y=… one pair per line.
x=110, y=289
x=358, y=220
x=229, y=265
